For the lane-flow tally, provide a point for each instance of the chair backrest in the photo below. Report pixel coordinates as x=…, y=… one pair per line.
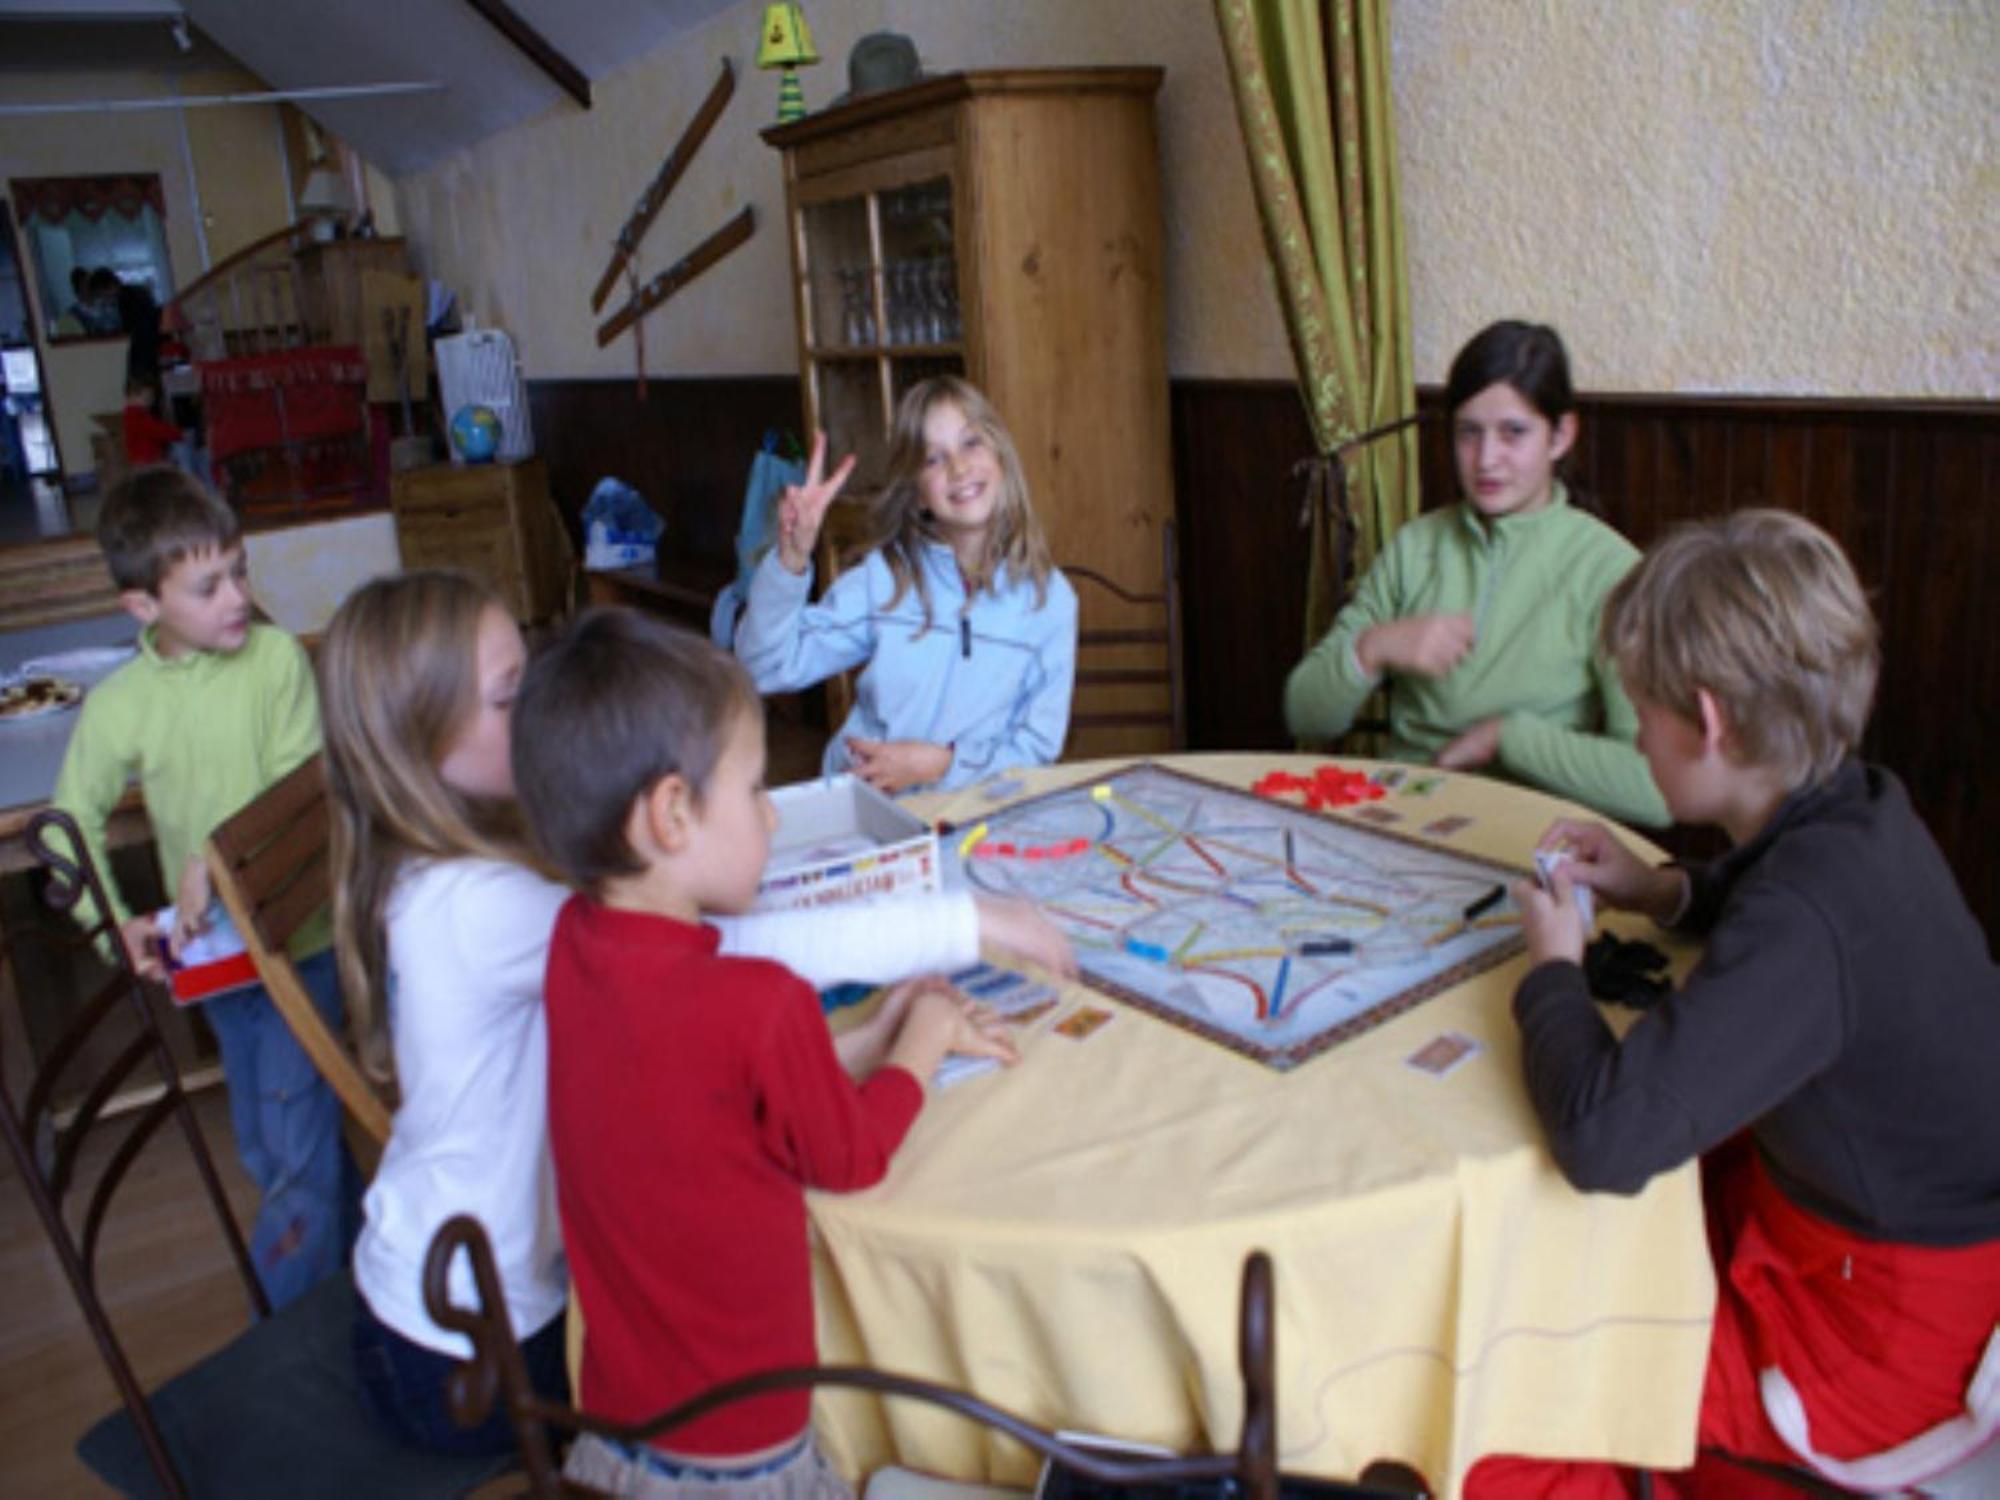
x=497, y=1372
x=1129, y=690
x=269, y=865
x=45, y=1133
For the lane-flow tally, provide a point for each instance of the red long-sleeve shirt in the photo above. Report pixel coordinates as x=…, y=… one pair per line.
x=147, y=437
x=692, y=1100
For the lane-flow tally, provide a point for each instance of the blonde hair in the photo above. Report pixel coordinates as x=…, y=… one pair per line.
x=1762, y=609
x=899, y=524
x=398, y=676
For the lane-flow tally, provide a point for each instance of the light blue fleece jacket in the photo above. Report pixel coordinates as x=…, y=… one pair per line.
x=990, y=675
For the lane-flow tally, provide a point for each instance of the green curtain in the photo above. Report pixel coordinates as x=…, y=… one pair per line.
x=1312, y=90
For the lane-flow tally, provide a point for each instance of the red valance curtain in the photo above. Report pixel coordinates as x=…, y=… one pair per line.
x=56, y=198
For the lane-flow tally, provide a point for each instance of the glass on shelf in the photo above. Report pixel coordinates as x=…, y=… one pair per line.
x=836, y=244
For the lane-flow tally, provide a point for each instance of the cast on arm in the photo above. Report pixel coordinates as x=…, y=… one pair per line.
x=1759, y=1017
x=1328, y=688
x=788, y=643
x=868, y=942
x=1602, y=770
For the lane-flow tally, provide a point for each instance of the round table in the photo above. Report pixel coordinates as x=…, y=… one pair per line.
x=1065, y=1238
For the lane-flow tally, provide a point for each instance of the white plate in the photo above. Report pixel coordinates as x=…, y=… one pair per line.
x=80, y=662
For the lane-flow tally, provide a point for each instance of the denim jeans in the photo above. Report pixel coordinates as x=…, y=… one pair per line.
x=405, y=1384
x=287, y=1124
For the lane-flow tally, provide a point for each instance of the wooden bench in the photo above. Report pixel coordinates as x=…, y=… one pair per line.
x=62, y=578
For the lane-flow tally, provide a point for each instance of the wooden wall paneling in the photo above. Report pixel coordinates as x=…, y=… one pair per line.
x=687, y=448
x=1910, y=489
x=1243, y=557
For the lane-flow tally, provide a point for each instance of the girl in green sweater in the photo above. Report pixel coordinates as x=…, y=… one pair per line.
x=1483, y=615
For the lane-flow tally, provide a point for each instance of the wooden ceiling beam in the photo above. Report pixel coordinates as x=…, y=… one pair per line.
x=535, y=47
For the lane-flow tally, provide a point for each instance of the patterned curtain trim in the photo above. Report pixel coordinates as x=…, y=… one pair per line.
x=54, y=199
x=1285, y=228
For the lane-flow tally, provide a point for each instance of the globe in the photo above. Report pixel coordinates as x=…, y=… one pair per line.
x=475, y=432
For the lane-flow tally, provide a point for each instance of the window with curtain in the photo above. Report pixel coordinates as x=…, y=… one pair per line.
x=87, y=236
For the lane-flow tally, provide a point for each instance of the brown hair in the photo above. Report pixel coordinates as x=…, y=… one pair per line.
x=398, y=674
x=156, y=516
x=1762, y=609
x=615, y=704
x=899, y=524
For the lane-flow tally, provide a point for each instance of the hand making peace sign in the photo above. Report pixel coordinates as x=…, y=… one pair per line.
x=802, y=507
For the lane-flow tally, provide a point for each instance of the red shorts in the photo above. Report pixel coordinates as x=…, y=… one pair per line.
x=1880, y=1341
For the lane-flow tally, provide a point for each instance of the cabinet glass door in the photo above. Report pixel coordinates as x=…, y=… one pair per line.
x=881, y=309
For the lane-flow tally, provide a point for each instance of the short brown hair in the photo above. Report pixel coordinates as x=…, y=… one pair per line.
x=155, y=517
x=615, y=704
x=1763, y=610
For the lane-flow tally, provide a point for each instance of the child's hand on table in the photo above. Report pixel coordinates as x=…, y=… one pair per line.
x=894, y=766
x=1019, y=929
x=939, y=1021
x=1618, y=876
x=1476, y=747
x=802, y=507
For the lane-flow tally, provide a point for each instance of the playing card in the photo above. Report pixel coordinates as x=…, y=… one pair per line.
x=1082, y=1021
x=1444, y=1053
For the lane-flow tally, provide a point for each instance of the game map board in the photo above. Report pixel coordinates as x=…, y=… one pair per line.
x=1271, y=930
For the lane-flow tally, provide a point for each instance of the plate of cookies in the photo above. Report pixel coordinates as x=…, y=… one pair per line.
x=31, y=697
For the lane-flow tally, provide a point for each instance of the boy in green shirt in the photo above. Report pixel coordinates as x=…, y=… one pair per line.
x=214, y=709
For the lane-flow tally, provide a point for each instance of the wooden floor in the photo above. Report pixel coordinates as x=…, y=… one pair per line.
x=168, y=1284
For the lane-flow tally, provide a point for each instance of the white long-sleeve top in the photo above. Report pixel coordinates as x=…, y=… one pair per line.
x=467, y=945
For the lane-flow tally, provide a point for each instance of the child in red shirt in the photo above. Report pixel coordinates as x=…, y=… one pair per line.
x=692, y=1097
x=148, y=438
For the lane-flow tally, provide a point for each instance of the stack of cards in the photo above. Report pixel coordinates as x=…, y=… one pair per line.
x=1016, y=999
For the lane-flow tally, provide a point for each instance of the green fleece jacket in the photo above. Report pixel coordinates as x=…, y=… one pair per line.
x=1534, y=585
x=203, y=733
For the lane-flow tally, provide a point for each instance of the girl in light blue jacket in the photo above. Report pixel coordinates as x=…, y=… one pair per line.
x=967, y=629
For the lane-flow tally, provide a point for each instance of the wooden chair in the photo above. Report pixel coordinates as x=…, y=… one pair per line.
x=276, y=1410
x=269, y=865
x=1129, y=689
x=496, y=1372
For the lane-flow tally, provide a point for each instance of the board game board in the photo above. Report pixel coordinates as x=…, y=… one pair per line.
x=1266, y=928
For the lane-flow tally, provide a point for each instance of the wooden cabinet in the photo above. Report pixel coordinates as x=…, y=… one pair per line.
x=494, y=521
x=1006, y=226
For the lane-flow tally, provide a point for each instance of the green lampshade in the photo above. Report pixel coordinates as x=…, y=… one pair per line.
x=785, y=41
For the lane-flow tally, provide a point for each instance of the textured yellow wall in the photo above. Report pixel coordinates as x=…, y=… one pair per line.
x=522, y=224
x=1751, y=196
x=241, y=180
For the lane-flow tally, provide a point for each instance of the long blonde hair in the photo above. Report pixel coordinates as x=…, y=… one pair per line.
x=398, y=676
x=900, y=525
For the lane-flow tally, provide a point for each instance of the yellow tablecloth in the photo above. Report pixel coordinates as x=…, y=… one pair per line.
x=1066, y=1238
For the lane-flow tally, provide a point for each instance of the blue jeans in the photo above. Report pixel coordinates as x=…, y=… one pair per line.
x=405, y=1383
x=287, y=1123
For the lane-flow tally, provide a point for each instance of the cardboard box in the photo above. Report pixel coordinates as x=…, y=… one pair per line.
x=215, y=961
x=839, y=838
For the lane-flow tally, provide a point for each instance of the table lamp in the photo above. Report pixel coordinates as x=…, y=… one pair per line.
x=325, y=200
x=786, y=44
